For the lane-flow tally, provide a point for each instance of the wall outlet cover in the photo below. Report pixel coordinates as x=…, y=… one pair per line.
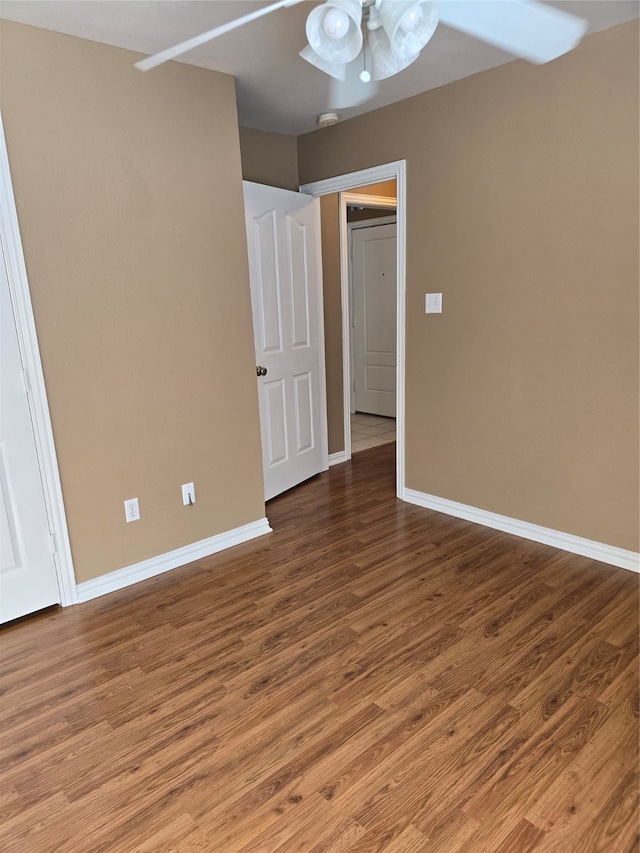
x=132, y=509
x=433, y=303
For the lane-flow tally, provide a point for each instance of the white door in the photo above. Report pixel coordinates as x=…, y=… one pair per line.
x=28, y=579
x=283, y=238
x=374, y=311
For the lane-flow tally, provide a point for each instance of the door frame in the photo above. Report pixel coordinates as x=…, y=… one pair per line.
x=358, y=225
x=345, y=184
x=11, y=246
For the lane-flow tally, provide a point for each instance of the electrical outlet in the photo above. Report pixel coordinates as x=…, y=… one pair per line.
x=132, y=509
x=433, y=303
x=188, y=494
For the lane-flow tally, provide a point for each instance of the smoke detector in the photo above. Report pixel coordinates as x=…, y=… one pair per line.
x=327, y=119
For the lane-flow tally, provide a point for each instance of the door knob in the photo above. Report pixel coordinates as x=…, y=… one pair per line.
x=261, y=371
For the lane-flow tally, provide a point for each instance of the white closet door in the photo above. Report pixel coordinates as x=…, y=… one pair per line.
x=374, y=306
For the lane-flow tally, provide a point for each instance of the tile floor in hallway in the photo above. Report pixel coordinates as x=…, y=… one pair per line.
x=370, y=431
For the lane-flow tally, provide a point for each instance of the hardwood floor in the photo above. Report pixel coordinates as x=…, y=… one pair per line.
x=372, y=677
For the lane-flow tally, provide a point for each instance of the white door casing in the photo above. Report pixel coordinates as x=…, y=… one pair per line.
x=28, y=580
x=12, y=259
x=373, y=272
x=283, y=240
x=346, y=184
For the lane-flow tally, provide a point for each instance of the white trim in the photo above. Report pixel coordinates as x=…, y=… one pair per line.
x=353, y=180
x=171, y=560
x=547, y=536
x=364, y=200
x=27, y=339
x=338, y=458
x=372, y=223
x=346, y=291
x=324, y=425
x=342, y=184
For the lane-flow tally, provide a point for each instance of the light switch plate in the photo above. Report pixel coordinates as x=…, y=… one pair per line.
x=188, y=494
x=433, y=303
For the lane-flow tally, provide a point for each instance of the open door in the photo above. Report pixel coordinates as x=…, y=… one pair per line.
x=283, y=239
x=28, y=578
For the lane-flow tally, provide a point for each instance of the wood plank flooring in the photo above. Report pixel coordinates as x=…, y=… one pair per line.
x=372, y=677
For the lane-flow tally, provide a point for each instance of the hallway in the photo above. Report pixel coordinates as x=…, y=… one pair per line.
x=371, y=431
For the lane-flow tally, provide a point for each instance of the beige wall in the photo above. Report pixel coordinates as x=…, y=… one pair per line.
x=269, y=158
x=522, y=206
x=331, y=294
x=129, y=197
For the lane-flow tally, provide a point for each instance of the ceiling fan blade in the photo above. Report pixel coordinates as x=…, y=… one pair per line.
x=525, y=28
x=203, y=38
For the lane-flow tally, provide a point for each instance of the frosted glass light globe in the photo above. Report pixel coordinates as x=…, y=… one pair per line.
x=336, y=23
x=412, y=19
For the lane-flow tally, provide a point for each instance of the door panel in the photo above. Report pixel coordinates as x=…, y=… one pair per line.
x=28, y=579
x=374, y=302
x=304, y=413
x=284, y=253
x=276, y=420
x=381, y=378
x=269, y=283
x=299, y=284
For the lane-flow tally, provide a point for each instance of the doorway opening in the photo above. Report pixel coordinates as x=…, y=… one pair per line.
x=348, y=185
x=372, y=232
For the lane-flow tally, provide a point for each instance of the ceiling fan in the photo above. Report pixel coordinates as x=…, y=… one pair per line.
x=362, y=40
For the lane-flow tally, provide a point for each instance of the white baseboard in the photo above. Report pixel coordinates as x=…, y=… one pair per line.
x=337, y=458
x=171, y=560
x=564, y=541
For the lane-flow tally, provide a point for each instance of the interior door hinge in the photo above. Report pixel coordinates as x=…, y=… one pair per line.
x=52, y=542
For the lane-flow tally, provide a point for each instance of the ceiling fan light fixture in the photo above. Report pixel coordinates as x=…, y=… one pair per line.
x=334, y=30
x=412, y=19
x=336, y=70
x=384, y=62
x=335, y=23
x=408, y=24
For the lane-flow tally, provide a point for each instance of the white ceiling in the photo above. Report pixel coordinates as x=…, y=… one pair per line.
x=277, y=90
